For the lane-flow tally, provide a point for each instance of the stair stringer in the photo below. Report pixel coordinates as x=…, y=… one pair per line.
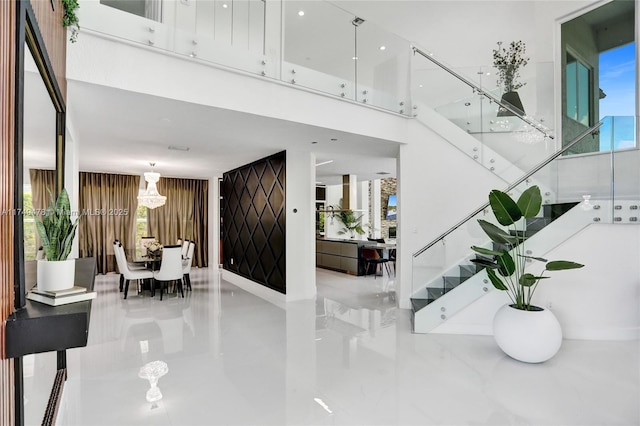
x=434, y=317
x=472, y=147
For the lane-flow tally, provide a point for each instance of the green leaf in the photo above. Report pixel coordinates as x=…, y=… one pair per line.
x=487, y=263
x=527, y=280
x=540, y=259
x=496, y=234
x=504, y=208
x=530, y=202
x=486, y=251
x=495, y=280
x=506, y=263
x=559, y=265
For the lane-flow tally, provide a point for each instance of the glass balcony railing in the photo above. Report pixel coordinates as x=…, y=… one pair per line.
x=507, y=142
x=309, y=44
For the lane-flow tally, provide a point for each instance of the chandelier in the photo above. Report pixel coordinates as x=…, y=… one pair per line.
x=151, y=198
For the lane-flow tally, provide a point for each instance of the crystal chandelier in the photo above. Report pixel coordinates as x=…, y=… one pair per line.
x=151, y=198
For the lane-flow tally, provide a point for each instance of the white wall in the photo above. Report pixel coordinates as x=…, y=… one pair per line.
x=438, y=186
x=600, y=301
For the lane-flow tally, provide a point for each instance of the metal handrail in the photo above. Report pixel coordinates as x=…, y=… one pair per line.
x=531, y=172
x=480, y=91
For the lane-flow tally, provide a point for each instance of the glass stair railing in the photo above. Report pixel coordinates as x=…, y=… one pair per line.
x=445, y=280
x=471, y=115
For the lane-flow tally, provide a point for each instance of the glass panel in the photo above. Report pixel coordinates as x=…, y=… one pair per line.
x=324, y=61
x=382, y=69
x=583, y=94
x=151, y=9
x=504, y=143
x=572, y=93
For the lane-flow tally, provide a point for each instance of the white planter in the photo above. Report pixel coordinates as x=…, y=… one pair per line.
x=528, y=336
x=55, y=275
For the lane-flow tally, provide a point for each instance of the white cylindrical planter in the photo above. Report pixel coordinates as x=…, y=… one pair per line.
x=528, y=336
x=55, y=275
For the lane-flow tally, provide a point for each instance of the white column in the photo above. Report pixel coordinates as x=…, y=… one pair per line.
x=300, y=228
x=214, y=223
x=363, y=206
x=376, y=208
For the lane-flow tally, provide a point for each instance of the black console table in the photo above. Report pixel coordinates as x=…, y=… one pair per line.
x=40, y=328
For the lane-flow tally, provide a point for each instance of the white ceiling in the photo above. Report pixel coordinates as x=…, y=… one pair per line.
x=121, y=131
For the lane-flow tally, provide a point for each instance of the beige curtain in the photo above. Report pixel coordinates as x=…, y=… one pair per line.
x=42, y=181
x=184, y=215
x=109, y=202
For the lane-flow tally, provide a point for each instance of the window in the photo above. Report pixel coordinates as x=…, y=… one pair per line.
x=578, y=90
x=141, y=225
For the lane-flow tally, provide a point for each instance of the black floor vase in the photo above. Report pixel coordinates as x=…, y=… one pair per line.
x=513, y=100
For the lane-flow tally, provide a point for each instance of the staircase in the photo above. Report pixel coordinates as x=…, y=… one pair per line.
x=447, y=290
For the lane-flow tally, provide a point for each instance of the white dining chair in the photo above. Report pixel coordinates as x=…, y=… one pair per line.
x=128, y=274
x=186, y=265
x=170, y=268
x=185, y=248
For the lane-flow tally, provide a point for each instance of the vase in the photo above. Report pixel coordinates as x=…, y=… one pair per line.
x=55, y=275
x=513, y=100
x=529, y=336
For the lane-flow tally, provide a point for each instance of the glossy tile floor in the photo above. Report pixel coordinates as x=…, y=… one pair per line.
x=348, y=358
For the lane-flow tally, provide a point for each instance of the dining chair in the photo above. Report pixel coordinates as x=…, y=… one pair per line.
x=131, y=265
x=370, y=256
x=143, y=240
x=186, y=265
x=185, y=248
x=170, y=268
x=128, y=274
x=179, y=242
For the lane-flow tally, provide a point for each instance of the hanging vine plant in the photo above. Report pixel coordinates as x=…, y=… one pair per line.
x=70, y=19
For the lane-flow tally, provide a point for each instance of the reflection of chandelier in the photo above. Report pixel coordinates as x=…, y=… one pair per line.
x=151, y=198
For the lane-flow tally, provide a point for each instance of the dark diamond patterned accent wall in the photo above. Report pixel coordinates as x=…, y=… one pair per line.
x=253, y=221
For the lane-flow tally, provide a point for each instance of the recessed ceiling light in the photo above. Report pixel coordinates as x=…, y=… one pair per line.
x=383, y=48
x=301, y=13
x=355, y=58
x=224, y=5
x=420, y=85
x=382, y=173
x=324, y=162
x=333, y=139
x=179, y=148
x=314, y=142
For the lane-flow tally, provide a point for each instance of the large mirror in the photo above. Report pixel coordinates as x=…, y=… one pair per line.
x=40, y=127
x=38, y=150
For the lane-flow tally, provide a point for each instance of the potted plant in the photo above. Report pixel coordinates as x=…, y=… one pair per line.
x=508, y=63
x=351, y=223
x=524, y=331
x=70, y=18
x=57, y=231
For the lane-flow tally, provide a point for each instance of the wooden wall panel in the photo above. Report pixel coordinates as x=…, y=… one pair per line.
x=54, y=36
x=7, y=142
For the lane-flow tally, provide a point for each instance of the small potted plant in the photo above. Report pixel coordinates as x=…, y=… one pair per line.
x=524, y=331
x=508, y=63
x=57, y=231
x=154, y=248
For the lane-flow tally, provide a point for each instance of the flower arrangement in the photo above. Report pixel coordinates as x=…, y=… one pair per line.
x=508, y=63
x=153, y=247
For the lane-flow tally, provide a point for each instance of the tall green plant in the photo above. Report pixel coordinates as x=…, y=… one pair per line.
x=56, y=229
x=505, y=271
x=351, y=223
